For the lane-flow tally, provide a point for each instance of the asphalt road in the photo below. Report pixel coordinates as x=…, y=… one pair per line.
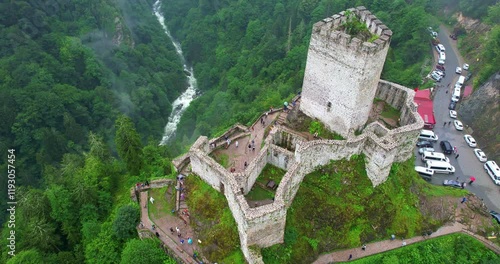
x=467, y=164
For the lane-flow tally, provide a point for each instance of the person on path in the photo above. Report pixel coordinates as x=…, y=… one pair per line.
x=236, y=143
x=463, y=200
x=471, y=181
x=456, y=157
x=182, y=241
x=350, y=257
x=463, y=185
x=444, y=124
x=404, y=243
x=393, y=237
x=363, y=247
x=177, y=230
x=171, y=230
x=157, y=234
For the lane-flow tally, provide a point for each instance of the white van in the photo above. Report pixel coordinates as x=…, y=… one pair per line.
x=424, y=172
x=493, y=170
x=456, y=95
x=427, y=135
x=436, y=156
x=440, y=166
x=442, y=56
x=440, y=48
x=461, y=80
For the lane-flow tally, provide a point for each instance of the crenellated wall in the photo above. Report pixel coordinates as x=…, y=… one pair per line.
x=342, y=72
x=340, y=83
x=264, y=226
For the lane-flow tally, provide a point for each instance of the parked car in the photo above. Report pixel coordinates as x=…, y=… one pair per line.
x=458, y=70
x=458, y=125
x=421, y=150
x=440, y=48
x=470, y=141
x=446, y=147
x=440, y=67
x=480, y=155
x=495, y=216
x=453, y=114
x=436, y=76
x=425, y=144
x=441, y=62
x=466, y=66
x=452, y=183
x=452, y=105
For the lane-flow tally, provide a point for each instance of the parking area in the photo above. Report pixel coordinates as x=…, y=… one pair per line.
x=466, y=164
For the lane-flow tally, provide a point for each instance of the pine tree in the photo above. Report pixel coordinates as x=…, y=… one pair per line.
x=128, y=143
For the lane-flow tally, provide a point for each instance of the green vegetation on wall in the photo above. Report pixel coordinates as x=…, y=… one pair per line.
x=337, y=207
x=212, y=217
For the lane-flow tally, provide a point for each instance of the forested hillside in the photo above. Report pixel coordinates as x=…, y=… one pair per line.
x=250, y=55
x=70, y=67
x=69, y=70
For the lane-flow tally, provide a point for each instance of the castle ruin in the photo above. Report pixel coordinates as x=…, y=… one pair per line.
x=340, y=84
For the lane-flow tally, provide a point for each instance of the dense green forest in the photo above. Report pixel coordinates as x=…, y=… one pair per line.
x=250, y=55
x=70, y=69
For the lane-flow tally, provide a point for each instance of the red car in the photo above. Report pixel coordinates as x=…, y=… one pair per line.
x=440, y=67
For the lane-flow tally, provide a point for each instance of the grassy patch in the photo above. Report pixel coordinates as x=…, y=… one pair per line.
x=323, y=132
x=222, y=159
x=454, y=248
x=336, y=207
x=390, y=112
x=438, y=191
x=259, y=193
x=212, y=220
x=259, y=190
x=426, y=85
x=162, y=205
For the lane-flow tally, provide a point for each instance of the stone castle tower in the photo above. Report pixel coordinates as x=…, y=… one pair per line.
x=342, y=71
x=341, y=80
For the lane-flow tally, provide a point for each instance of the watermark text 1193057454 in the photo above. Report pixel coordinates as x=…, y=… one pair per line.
x=11, y=201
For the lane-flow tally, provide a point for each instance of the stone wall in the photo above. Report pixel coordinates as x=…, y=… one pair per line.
x=254, y=169
x=280, y=157
x=264, y=226
x=342, y=72
x=286, y=138
x=340, y=82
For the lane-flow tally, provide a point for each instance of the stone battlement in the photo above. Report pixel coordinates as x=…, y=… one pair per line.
x=341, y=80
x=264, y=226
x=329, y=30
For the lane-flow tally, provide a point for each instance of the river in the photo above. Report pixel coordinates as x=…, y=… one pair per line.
x=182, y=102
